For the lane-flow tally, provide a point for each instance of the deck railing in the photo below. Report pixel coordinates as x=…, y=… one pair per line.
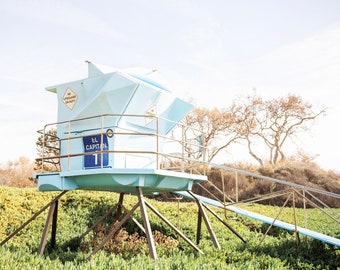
x=172, y=151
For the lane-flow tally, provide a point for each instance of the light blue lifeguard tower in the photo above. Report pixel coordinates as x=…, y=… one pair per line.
x=111, y=131
x=110, y=135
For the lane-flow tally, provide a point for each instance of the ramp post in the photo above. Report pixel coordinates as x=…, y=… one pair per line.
x=224, y=223
x=202, y=214
x=295, y=223
x=271, y=225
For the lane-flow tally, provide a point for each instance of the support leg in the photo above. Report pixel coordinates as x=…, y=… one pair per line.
x=32, y=218
x=119, y=206
x=151, y=242
x=114, y=230
x=173, y=227
x=98, y=221
x=54, y=226
x=199, y=227
x=216, y=216
x=224, y=223
x=46, y=229
x=208, y=225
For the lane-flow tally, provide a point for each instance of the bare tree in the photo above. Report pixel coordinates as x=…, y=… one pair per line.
x=273, y=122
x=208, y=131
x=48, y=151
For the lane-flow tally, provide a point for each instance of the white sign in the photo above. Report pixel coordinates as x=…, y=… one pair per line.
x=150, y=112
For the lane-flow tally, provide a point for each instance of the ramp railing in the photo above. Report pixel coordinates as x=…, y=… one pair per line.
x=225, y=192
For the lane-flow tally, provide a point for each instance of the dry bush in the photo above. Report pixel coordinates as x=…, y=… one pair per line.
x=300, y=171
x=308, y=173
x=17, y=173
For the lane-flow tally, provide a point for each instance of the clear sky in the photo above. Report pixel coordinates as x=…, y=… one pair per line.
x=212, y=51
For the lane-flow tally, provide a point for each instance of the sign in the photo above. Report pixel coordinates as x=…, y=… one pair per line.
x=152, y=111
x=96, y=143
x=70, y=98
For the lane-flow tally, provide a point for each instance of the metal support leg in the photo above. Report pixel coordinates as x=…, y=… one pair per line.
x=199, y=227
x=98, y=221
x=32, y=218
x=54, y=226
x=46, y=229
x=223, y=222
x=119, y=206
x=151, y=242
x=216, y=216
x=208, y=225
x=271, y=225
x=114, y=230
x=173, y=227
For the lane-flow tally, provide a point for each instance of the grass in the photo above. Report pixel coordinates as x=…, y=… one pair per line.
x=80, y=209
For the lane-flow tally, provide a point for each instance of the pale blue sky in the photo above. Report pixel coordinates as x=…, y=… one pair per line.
x=212, y=51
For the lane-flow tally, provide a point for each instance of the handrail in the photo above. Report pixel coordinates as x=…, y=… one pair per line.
x=73, y=131
x=275, y=180
x=186, y=162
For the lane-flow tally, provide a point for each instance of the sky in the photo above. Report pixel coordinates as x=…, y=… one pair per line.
x=211, y=51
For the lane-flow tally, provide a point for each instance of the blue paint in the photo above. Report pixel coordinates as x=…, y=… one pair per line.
x=95, y=143
x=119, y=180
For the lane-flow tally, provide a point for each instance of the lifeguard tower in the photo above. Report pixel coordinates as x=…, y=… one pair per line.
x=111, y=132
x=110, y=135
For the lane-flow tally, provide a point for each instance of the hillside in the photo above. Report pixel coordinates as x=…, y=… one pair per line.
x=128, y=250
x=303, y=173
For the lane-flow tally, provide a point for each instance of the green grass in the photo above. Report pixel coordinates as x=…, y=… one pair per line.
x=80, y=209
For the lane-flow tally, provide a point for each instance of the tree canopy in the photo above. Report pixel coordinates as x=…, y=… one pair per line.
x=265, y=125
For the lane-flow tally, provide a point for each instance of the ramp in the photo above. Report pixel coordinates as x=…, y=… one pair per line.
x=281, y=224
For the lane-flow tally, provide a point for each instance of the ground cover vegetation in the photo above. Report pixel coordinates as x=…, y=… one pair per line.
x=78, y=210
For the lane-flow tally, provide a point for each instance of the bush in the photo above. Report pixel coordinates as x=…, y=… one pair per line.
x=127, y=250
x=17, y=173
x=302, y=173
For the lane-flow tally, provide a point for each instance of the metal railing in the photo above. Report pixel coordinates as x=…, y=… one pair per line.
x=168, y=150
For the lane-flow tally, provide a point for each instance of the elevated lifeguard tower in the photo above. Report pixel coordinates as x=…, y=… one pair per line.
x=110, y=135
x=111, y=130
